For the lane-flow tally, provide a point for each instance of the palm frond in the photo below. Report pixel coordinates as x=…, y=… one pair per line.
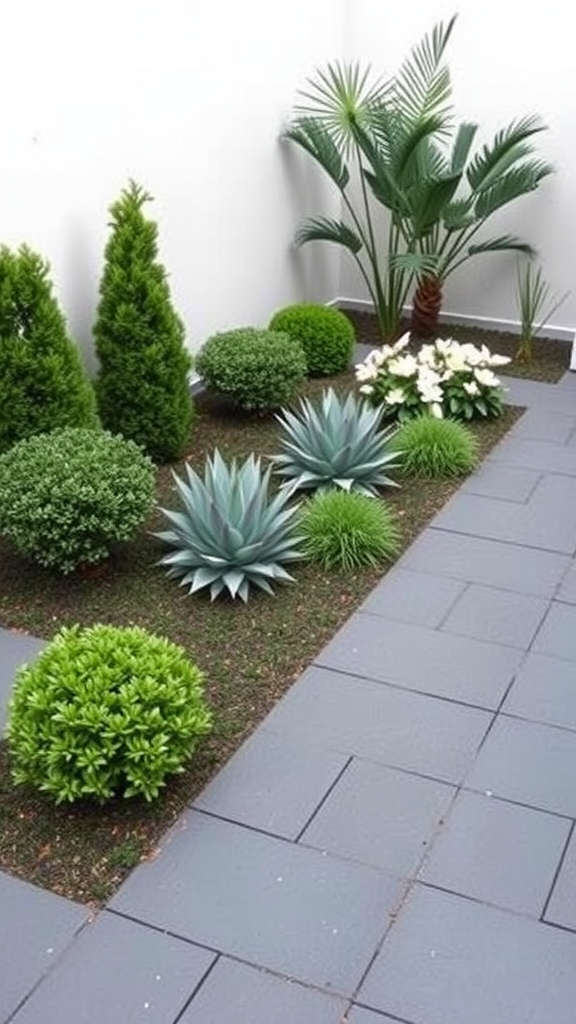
x=340, y=96
x=325, y=229
x=458, y=215
x=313, y=137
x=516, y=182
x=503, y=243
x=462, y=145
x=422, y=86
x=506, y=149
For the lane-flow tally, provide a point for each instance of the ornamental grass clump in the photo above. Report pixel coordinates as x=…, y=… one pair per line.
x=335, y=443
x=346, y=530
x=105, y=712
x=257, y=370
x=69, y=495
x=436, y=448
x=326, y=335
x=230, y=537
x=445, y=378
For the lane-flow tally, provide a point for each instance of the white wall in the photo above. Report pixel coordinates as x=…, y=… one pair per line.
x=507, y=60
x=188, y=98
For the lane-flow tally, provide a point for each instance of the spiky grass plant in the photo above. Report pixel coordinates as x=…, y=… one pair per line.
x=229, y=536
x=436, y=448
x=337, y=443
x=345, y=530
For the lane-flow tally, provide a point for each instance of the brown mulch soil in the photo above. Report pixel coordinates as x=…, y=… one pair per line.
x=250, y=655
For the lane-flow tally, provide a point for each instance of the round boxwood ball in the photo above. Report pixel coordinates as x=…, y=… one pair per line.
x=326, y=335
x=258, y=370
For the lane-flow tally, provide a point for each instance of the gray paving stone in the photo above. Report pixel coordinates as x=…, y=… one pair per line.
x=382, y=723
x=358, y=1015
x=118, y=970
x=544, y=425
x=499, y=616
x=17, y=649
x=266, y=787
x=491, y=562
x=557, y=635
x=546, y=522
x=505, y=482
x=296, y=911
x=528, y=763
x=555, y=398
x=567, y=589
x=545, y=691
x=562, y=907
x=380, y=816
x=448, y=960
x=442, y=664
x=35, y=927
x=536, y=455
x=236, y=993
x=498, y=853
x=416, y=597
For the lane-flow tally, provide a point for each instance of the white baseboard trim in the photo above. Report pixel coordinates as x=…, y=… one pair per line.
x=566, y=334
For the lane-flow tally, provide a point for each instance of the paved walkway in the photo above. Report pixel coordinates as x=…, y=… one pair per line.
x=396, y=841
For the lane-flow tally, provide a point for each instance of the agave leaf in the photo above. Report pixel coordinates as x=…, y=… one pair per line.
x=233, y=580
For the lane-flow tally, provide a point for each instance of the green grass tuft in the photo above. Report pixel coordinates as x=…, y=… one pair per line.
x=344, y=530
x=434, y=448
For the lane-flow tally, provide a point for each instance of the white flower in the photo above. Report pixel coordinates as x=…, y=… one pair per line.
x=496, y=360
x=365, y=372
x=403, y=366
x=436, y=410
x=401, y=343
x=471, y=388
x=427, y=355
x=486, y=378
x=395, y=396
x=366, y=389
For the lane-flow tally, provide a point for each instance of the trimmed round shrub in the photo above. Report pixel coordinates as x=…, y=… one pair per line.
x=326, y=335
x=345, y=529
x=431, y=447
x=256, y=369
x=69, y=495
x=105, y=711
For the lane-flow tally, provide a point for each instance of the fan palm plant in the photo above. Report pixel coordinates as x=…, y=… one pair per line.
x=395, y=142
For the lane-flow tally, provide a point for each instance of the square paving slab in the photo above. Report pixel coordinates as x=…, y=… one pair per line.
x=118, y=972
x=562, y=906
x=460, y=668
x=301, y=913
x=537, y=425
x=545, y=691
x=415, y=597
x=557, y=635
x=380, y=816
x=265, y=786
x=498, y=853
x=358, y=1015
x=35, y=928
x=449, y=960
x=506, y=482
x=536, y=455
x=382, y=723
x=236, y=993
x=491, y=562
x=528, y=763
x=567, y=589
x=498, y=616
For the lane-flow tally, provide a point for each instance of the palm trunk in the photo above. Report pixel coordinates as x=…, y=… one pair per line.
x=427, y=305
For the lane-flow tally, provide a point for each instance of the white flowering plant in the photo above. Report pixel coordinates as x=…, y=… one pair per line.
x=444, y=379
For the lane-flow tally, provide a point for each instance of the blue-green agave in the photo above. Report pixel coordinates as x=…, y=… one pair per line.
x=336, y=444
x=229, y=536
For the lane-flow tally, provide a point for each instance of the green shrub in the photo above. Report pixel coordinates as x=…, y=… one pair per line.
x=326, y=335
x=105, y=711
x=230, y=536
x=343, y=530
x=68, y=495
x=142, y=386
x=43, y=384
x=256, y=369
x=335, y=443
x=436, y=448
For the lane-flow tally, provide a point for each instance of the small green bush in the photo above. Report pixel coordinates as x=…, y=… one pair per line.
x=432, y=447
x=326, y=335
x=105, y=711
x=43, y=384
x=256, y=369
x=345, y=529
x=70, y=494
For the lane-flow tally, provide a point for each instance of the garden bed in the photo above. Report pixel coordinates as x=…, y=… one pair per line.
x=250, y=655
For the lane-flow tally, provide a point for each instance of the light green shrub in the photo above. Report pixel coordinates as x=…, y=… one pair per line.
x=344, y=530
x=326, y=335
x=436, y=448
